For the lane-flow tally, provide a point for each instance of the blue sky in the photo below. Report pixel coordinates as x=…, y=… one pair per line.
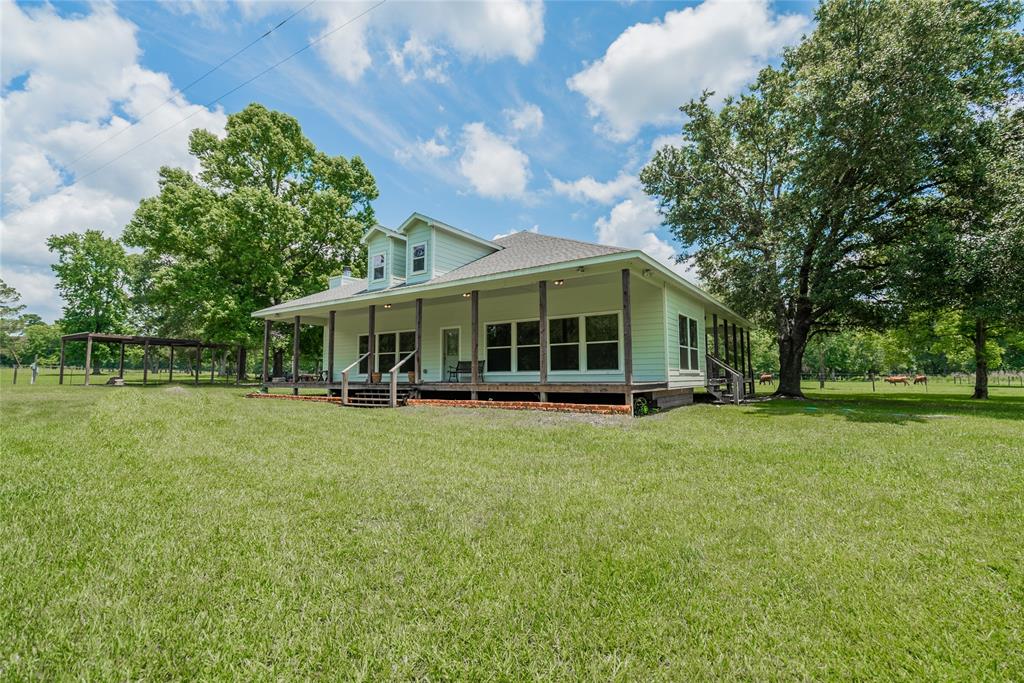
x=493, y=117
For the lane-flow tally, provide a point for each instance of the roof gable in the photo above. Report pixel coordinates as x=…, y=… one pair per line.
x=434, y=223
x=385, y=231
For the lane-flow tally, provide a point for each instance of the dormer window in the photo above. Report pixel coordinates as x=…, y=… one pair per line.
x=378, y=267
x=419, y=258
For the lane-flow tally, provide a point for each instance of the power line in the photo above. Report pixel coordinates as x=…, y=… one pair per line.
x=193, y=83
x=223, y=95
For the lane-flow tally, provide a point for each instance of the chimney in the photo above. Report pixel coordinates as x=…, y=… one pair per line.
x=336, y=281
x=346, y=274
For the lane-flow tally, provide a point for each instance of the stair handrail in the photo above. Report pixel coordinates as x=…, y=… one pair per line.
x=393, y=400
x=344, y=377
x=735, y=376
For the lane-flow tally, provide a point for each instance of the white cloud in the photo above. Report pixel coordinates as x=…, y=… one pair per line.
x=535, y=229
x=68, y=102
x=653, y=68
x=492, y=164
x=589, y=189
x=427, y=30
x=527, y=119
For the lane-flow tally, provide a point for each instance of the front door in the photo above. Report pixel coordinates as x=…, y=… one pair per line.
x=449, y=351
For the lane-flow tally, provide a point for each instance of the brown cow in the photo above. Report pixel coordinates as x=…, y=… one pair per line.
x=767, y=378
x=921, y=379
x=898, y=379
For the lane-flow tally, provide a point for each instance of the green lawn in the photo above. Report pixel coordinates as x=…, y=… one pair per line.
x=179, y=532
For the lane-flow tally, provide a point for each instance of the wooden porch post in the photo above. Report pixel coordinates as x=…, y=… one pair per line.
x=60, y=379
x=419, y=340
x=371, y=344
x=743, y=359
x=714, y=323
x=266, y=350
x=120, y=363
x=725, y=340
x=170, y=369
x=88, y=358
x=735, y=356
x=295, y=354
x=330, y=346
x=145, y=362
x=199, y=357
x=542, y=288
x=627, y=333
x=750, y=363
x=474, y=323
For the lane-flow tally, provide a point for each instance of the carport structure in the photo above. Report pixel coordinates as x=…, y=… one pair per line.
x=146, y=342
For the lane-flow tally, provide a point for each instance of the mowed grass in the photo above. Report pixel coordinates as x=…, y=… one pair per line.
x=179, y=532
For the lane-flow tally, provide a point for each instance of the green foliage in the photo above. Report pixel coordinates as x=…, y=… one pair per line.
x=793, y=195
x=12, y=323
x=267, y=219
x=42, y=343
x=92, y=278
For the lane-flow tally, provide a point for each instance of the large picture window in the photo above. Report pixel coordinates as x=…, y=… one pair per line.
x=393, y=347
x=689, y=347
x=499, y=347
x=602, y=342
x=528, y=346
x=419, y=258
x=378, y=267
x=565, y=343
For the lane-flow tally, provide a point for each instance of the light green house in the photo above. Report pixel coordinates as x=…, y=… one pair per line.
x=444, y=313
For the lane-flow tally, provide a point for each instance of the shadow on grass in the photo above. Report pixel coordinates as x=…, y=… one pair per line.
x=895, y=409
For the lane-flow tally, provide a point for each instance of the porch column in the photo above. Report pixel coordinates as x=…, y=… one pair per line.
x=750, y=363
x=60, y=379
x=743, y=360
x=714, y=323
x=170, y=370
x=145, y=362
x=542, y=288
x=735, y=356
x=371, y=344
x=725, y=340
x=627, y=332
x=88, y=358
x=199, y=357
x=266, y=350
x=330, y=346
x=120, y=363
x=419, y=341
x=295, y=355
x=474, y=323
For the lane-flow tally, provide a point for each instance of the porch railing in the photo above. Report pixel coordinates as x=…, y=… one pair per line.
x=733, y=378
x=393, y=394
x=344, y=377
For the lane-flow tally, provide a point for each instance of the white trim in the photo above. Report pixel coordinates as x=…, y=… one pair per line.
x=412, y=260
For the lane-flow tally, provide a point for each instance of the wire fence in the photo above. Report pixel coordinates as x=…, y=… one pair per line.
x=995, y=378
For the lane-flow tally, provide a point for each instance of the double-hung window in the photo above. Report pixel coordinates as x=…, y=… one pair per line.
x=499, y=347
x=419, y=258
x=602, y=342
x=364, y=347
x=689, y=354
x=377, y=267
x=565, y=343
x=528, y=346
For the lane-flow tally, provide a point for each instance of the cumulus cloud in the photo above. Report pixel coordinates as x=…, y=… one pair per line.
x=652, y=68
x=527, y=119
x=57, y=105
x=589, y=189
x=492, y=164
x=432, y=149
x=485, y=31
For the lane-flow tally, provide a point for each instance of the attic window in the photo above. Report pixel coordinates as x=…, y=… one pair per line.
x=419, y=258
x=378, y=266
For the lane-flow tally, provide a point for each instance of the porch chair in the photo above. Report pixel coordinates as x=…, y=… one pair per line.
x=463, y=367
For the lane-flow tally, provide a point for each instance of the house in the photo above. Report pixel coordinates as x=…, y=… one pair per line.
x=446, y=314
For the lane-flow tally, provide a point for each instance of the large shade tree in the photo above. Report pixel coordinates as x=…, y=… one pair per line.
x=791, y=196
x=268, y=218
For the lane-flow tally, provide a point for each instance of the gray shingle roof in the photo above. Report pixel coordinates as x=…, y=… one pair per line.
x=521, y=250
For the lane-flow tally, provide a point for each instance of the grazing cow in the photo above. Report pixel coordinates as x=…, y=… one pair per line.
x=767, y=378
x=921, y=379
x=898, y=379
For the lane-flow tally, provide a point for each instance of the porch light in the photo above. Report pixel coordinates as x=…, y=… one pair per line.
x=558, y=283
x=387, y=305
x=466, y=295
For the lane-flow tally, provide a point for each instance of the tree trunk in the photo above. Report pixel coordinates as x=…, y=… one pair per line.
x=278, y=363
x=792, y=344
x=242, y=364
x=980, y=360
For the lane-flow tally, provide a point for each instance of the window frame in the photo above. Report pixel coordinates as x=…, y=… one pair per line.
x=582, y=343
x=383, y=267
x=413, y=270
x=690, y=350
x=513, y=347
x=616, y=341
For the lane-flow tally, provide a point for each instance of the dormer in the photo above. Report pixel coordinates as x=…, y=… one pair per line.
x=434, y=248
x=385, y=258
